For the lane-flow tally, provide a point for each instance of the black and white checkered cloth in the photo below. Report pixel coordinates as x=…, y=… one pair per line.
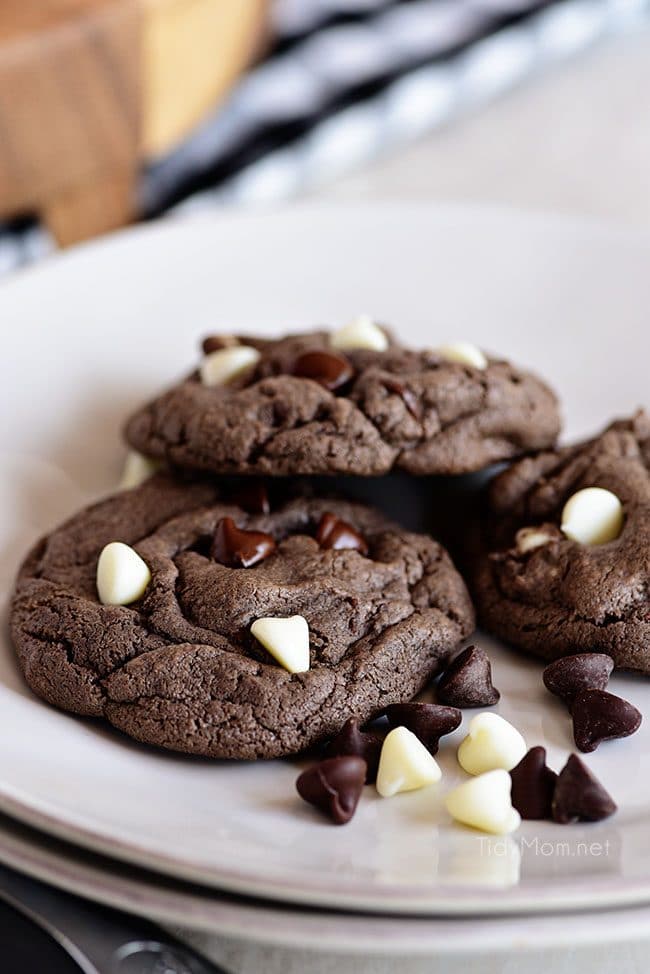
x=348, y=81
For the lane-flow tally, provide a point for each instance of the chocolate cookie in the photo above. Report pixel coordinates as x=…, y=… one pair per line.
x=565, y=562
x=306, y=405
x=179, y=667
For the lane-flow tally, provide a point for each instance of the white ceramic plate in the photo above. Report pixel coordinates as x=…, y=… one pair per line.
x=204, y=917
x=89, y=335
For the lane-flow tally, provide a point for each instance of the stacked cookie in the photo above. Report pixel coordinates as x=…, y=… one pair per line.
x=206, y=610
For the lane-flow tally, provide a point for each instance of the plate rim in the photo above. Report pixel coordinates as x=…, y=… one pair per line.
x=140, y=892
x=172, y=224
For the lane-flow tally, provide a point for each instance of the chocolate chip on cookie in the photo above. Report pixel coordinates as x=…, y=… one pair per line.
x=253, y=498
x=329, y=369
x=592, y=516
x=228, y=365
x=407, y=396
x=238, y=548
x=361, y=333
x=332, y=532
x=122, y=575
x=214, y=343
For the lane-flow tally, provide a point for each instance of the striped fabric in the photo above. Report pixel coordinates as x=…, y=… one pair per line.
x=348, y=81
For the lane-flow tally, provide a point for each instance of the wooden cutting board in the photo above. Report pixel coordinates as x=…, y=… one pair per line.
x=91, y=88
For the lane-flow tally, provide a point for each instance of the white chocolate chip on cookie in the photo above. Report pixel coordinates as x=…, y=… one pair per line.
x=527, y=539
x=491, y=743
x=122, y=575
x=593, y=516
x=405, y=764
x=362, y=332
x=286, y=639
x=137, y=469
x=220, y=367
x=465, y=353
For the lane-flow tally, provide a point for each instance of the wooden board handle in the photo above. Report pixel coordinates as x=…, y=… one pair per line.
x=89, y=88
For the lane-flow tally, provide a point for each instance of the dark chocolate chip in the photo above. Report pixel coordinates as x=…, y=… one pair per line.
x=600, y=716
x=533, y=785
x=408, y=397
x=428, y=721
x=214, y=343
x=351, y=740
x=579, y=796
x=332, y=532
x=334, y=786
x=237, y=548
x=328, y=368
x=567, y=676
x=253, y=498
x=467, y=681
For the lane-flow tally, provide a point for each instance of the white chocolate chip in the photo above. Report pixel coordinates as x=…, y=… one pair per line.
x=593, y=516
x=362, y=332
x=491, y=743
x=122, y=575
x=287, y=640
x=465, y=353
x=405, y=764
x=137, y=469
x=527, y=539
x=220, y=367
x=484, y=803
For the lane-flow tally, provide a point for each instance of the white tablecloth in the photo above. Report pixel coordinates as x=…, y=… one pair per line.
x=574, y=140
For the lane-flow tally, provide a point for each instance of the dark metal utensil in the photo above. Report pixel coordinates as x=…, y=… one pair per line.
x=43, y=929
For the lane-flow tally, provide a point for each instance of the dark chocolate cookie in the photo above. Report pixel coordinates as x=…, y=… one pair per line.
x=180, y=668
x=304, y=405
x=556, y=580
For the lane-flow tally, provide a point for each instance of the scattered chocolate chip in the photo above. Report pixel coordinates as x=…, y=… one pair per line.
x=567, y=676
x=351, y=740
x=214, y=343
x=467, y=682
x=408, y=397
x=253, y=498
x=533, y=785
x=428, y=721
x=328, y=368
x=334, y=786
x=579, y=796
x=237, y=548
x=600, y=716
x=332, y=532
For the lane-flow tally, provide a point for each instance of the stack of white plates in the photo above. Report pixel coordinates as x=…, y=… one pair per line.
x=228, y=850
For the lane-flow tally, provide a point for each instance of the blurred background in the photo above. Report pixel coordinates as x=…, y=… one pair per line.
x=116, y=111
